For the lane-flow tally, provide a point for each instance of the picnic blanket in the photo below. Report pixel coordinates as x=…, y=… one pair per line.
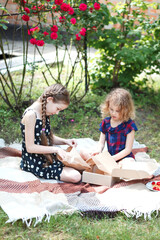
x=26, y=197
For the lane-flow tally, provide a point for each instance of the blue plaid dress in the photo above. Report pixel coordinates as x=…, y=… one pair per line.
x=116, y=137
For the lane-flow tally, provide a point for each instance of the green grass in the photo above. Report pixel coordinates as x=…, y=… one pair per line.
x=79, y=227
x=86, y=116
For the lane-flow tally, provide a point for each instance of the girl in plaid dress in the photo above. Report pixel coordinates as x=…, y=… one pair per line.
x=118, y=129
x=39, y=144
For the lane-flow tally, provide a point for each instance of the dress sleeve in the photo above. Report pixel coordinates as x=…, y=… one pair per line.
x=131, y=126
x=102, y=126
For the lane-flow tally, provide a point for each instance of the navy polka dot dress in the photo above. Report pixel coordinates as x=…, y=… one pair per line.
x=32, y=162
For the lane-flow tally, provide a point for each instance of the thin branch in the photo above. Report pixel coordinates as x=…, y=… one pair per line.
x=45, y=63
x=45, y=78
x=33, y=72
x=6, y=99
x=24, y=64
x=14, y=90
x=58, y=80
x=5, y=80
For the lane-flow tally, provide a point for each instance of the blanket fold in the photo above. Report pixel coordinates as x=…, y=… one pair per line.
x=9, y=151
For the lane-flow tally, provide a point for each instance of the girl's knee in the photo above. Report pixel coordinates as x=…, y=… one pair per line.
x=70, y=175
x=85, y=154
x=76, y=177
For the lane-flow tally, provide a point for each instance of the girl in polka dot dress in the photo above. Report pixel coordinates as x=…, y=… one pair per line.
x=118, y=129
x=38, y=146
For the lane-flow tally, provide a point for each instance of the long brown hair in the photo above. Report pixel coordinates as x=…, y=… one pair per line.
x=59, y=94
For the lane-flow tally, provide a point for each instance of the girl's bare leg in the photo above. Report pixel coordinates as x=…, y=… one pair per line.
x=85, y=154
x=70, y=175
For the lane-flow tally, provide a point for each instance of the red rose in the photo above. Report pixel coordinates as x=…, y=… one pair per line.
x=78, y=37
x=32, y=30
x=54, y=8
x=65, y=7
x=83, y=32
x=54, y=35
x=26, y=10
x=48, y=0
x=83, y=7
x=94, y=28
x=91, y=9
x=45, y=33
x=73, y=21
x=58, y=2
x=54, y=28
x=40, y=43
x=25, y=18
x=35, y=29
x=33, y=41
x=34, y=8
x=97, y=6
x=71, y=11
x=62, y=19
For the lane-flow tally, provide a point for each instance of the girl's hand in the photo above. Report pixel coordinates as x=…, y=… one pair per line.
x=62, y=154
x=71, y=142
x=95, y=153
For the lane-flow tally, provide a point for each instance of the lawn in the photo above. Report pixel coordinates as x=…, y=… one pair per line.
x=78, y=227
x=82, y=120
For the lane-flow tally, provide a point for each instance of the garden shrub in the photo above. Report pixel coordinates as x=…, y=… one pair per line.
x=128, y=50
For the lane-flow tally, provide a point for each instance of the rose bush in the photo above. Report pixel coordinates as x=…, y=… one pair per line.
x=129, y=50
x=59, y=23
x=76, y=22
x=124, y=52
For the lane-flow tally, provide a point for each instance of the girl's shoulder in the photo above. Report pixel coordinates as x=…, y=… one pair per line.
x=30, y=112
x=106, y=121
x=130, y=122
x=29, y=115
x=105, y=124
x=130, y=125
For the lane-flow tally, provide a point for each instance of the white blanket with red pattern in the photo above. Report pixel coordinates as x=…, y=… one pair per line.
x=24, y=196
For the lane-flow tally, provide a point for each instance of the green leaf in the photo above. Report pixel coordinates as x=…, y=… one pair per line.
x=4, y=9
x=3, y=26
x=4, y=21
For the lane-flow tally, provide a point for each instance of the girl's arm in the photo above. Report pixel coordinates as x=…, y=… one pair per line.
x=101, y=144
x=61, y=141
x=128, y=147
x=29, y=121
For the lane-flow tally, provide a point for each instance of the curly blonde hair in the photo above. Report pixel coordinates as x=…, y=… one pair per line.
x=59, y=94
x=122, y=99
